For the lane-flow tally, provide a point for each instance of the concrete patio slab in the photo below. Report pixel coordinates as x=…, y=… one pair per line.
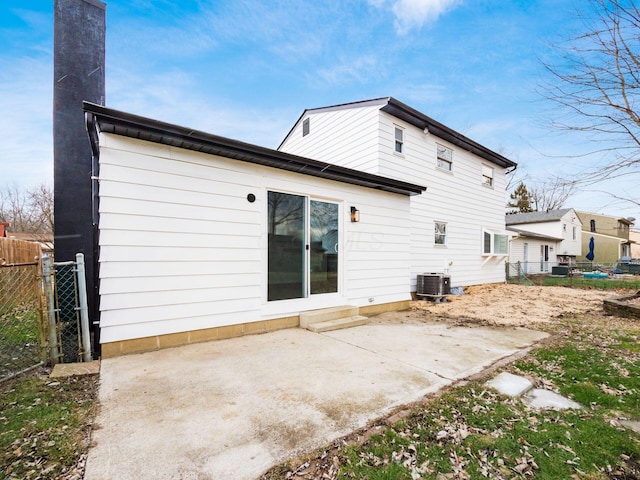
x=234, y=408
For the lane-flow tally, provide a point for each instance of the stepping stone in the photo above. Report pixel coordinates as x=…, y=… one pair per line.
x=509, y=384
x=71, y=369
x=632, y=424
x=540, y=398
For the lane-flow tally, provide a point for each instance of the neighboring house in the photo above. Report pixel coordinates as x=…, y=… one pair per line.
x=610, y=237
x=202, y=237
x=457, y=225
x=540, y=240
x=634, y=238
x=3, y=226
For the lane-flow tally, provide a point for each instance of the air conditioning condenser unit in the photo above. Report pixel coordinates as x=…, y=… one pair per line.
x=433, y=285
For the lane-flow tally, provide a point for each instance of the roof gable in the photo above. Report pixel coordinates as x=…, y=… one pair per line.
x=412, y=116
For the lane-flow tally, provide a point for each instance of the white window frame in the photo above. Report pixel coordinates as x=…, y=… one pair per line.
x=487, y=176
x=444, y=158
x=398, y=140
x=496, y=240
x=440, y=232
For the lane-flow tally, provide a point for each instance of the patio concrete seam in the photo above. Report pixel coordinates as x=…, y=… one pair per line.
x=389, y=357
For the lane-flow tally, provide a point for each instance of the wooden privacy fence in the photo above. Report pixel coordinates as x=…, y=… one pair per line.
x=18, y=251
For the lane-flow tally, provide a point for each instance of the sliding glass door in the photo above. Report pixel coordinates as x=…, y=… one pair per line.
x=324, y=238
x=303, y=246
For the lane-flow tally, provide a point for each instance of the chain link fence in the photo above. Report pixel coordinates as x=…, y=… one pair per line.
x=577, y=274
x=43, y=315
x=22, y=329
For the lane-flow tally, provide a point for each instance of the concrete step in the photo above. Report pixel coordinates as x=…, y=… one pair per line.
x=337, y=324
x=327, y=314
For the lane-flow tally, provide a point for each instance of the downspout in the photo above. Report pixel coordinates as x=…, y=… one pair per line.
x=94, y=140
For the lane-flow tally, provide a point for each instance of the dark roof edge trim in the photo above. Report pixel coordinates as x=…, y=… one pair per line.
x=404, y=112
x=126, y=124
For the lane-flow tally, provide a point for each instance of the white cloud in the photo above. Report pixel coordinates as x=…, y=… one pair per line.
x=357, y=70
x=412, y=14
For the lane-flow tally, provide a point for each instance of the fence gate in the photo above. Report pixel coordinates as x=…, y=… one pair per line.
x=22, y=326
x=67, y=313
x=43, y=315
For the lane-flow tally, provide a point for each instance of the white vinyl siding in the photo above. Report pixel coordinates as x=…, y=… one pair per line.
x=182, y=249
x=354, y=135
x=458, y=199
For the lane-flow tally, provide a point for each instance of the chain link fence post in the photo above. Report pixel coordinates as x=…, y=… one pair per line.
x=84, y=309
x=47, y=276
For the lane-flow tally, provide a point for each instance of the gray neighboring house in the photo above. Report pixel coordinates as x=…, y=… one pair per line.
x=540, y=240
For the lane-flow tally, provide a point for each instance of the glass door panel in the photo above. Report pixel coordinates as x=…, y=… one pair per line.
x=324, y=241
x=287, y=245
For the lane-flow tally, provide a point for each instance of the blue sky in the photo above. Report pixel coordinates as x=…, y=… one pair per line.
x=246, y=69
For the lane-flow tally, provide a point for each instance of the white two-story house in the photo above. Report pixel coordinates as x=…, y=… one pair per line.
x=458, y=224
x=540, y=240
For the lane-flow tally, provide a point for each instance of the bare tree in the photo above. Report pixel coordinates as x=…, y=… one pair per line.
x=28, y=211
x=550, y=194
x=597, y=82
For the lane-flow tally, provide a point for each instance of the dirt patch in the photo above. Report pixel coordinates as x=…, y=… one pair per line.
x=503, y=305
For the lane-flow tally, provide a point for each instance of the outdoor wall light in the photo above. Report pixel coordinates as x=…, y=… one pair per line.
x=355, y=215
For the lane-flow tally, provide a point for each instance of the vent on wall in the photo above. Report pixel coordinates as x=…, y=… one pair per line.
x=433, y=284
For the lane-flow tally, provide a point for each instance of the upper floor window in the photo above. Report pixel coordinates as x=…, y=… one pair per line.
x=487, y=176
x=399, y=137
x=440, y=233
x=305, y=127
x=592, y=225
x=445, y=158
x=574, y=233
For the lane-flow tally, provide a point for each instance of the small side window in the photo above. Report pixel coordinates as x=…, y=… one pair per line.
x=399, y=137
x=445, y=158
x=440, y=233
x=592, y=225
x=305, y=127
x=487, y=176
